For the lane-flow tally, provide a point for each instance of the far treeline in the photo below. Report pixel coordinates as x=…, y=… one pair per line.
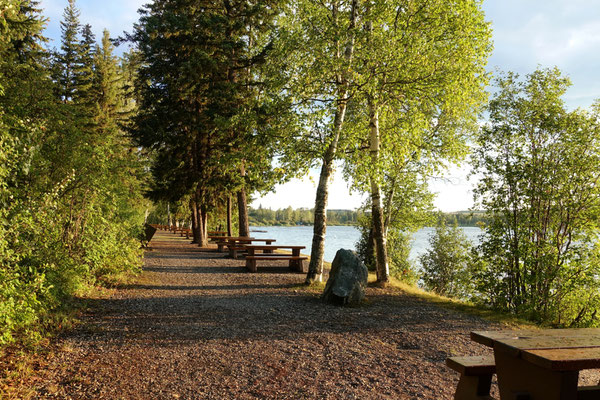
x=218, y=100
x=304, y=216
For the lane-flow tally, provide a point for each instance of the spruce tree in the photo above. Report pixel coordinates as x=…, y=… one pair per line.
x=107, y=80
x=84, y=73
x=199, y=101
x=67, y=60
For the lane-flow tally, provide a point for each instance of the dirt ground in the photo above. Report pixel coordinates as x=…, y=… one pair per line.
x=199, y=326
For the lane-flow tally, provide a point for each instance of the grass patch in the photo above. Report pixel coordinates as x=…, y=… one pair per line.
x=459, y=305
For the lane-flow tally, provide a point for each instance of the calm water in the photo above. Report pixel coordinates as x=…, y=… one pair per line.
x=343, y=237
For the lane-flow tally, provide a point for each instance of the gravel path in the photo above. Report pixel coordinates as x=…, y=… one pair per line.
x=198, y=326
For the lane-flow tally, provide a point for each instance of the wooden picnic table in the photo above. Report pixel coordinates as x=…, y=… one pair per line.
x=296, y=261
x=236, y=245
x=223, y=241
x=543, y=364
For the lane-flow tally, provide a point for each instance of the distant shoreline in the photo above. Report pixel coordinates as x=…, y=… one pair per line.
x=257, y=225
x=305, y=217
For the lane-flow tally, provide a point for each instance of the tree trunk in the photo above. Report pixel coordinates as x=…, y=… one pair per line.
x=381, y=259
x=202, y=237
x=370, y=250
x=315, y=267
x=169, y=222
x=229, y=225
x=195, y=226
x=244, y=225
x=204, y=218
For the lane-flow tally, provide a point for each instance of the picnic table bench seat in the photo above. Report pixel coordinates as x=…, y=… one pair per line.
x=475, y=376
x=295, y=262
x=234, y=243
x=235, y=249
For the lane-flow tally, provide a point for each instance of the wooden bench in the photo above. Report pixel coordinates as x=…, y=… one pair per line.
x=235, y=246
x=186, y=231
x=224, y=241
x=235, y=249
x=475, y=376
x=296, y=261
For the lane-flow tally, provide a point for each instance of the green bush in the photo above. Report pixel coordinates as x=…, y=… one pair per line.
x=446, y=263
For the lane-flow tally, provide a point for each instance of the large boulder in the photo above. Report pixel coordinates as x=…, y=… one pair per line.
x=347, y=279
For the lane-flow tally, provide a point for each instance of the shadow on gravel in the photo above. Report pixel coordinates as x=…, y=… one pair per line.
x=197, y=270
x=263, y=269
x=209, y=287
x=264, y=312
x=188, y=255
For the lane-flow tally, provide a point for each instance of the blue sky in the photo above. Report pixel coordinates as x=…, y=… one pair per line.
x=527, y=34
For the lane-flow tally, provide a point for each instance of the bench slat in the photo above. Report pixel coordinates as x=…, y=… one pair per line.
x=473, y=366
x=276, y=257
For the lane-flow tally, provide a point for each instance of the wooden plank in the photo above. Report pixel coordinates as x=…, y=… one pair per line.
x=277, y=257
x=570, y=359
x=548, y=342
x=473, y=365
x=487, y=338
x=272, y=247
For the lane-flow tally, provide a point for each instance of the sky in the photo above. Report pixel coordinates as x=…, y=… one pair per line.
x=526, y=34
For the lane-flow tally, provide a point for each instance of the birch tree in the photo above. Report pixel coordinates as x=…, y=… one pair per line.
x=420, y=68
x=540, y=186
x=322, y=36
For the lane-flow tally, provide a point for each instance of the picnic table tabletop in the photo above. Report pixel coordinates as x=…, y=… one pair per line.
x=246, y=241
x=272, y=246
x=269, y=248
x=228, y=238
x=554, y=349
x=543, y=364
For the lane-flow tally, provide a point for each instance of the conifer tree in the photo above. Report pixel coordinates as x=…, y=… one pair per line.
x=68, y=59
x=107, y=81
x=84, y=74
x=199, y=102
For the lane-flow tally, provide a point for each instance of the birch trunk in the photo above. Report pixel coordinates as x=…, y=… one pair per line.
x=381, y=259
x=315, y=267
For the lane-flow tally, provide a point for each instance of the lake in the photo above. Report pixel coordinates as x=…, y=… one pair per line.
x=344, y=237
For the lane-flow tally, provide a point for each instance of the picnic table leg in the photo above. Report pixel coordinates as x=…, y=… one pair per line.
x=300, y=266
x=521, y=380
x=473, y=388
x=251, y=264
x=268, y=251
x=294, y=264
